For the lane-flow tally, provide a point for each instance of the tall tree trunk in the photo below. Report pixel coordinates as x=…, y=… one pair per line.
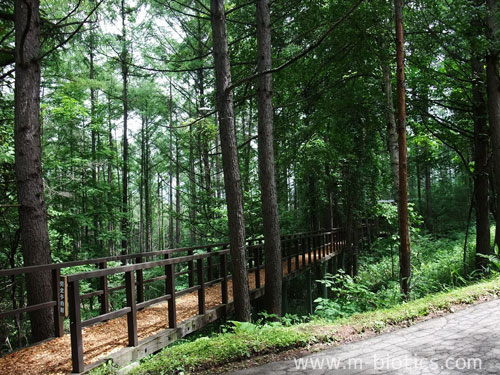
x=493, y=87
x=481, y=170
x=147, y=190
x=232, y=177
x=270, y=216
x=28, y=158
x=95, y=215
x=110, y=179
x=124, y=67
x=177, y=196
x=141, y=192
x=404, y=234
x=392, y=130
x=428, y=190
x=192, y=185
x=171, y=176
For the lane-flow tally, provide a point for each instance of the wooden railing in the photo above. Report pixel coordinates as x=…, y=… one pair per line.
x=204, y=266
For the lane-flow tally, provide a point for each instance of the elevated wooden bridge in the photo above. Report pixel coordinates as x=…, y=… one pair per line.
x=143, y=326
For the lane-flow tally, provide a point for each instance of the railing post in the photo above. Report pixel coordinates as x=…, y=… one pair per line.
x=209, y=265
x=314, y=242
x=140, y=282
x=75, y=326
x=251, y=261
x=104, y=298
x=257, y=266
x=167, y=268
x=288, y=257
x=172, y=313
x=131, y=302
x=303, y=242
x=309, y=300
x=223, y=262
x=201, y=292
x=297, y=252
x=191, y=270
x=56, y=292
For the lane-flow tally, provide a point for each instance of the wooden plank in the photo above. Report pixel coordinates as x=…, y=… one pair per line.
x=107, y=316
x=149, y=302
x=39, y=306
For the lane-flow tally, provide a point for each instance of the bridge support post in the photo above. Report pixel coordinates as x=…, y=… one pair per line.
x=324, y=289
x=284, y=296
x=309, y=292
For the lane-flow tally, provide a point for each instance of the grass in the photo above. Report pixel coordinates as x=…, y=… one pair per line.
x=248, y=340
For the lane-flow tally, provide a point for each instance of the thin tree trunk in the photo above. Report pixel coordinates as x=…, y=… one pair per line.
x=270, y=216
x=34, y=231
x=94, y=155
x=124, y=55
x=141, y=192
x=110, y=178
x=171, y=178
x=404, y=234
x=177, y=197
x=428, y=190
x=493, y=87
x=147, y=190
x=232, y=177
x=392, y=131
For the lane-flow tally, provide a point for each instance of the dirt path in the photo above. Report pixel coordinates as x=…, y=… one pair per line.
x=54, y=356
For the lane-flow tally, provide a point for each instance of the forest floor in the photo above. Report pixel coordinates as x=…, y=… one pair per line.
x=54, y=356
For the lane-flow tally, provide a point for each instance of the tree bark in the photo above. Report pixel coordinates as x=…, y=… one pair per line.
x=404, y=234
x=428, y=190
x=124, y=227
x=232, y=177
x=269, y=200
x=177, y=197
x=481, y=168
x=493, y=88
x=28, y=158
x=392, y=130
x=171, y=176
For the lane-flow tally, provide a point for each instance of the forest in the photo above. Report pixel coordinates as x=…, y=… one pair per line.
x=136, y=126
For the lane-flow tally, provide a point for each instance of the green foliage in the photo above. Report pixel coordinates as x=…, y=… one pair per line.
x=437, y=265
x=246, y=340
x=348, y=296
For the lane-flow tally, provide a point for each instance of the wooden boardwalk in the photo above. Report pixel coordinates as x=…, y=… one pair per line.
x=152, y=327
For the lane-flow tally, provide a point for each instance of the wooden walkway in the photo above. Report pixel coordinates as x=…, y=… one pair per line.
x=128, y=334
